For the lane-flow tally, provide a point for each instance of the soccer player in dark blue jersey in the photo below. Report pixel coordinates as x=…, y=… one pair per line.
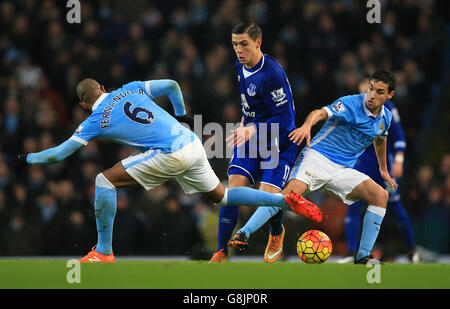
x=367, y=164
x=267, y=118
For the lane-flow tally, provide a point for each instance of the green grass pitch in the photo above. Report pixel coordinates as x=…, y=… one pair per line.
x=141, y=274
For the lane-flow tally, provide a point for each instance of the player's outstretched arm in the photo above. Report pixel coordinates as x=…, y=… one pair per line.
x=55, y=154
x=380, y=145
x=304, y=132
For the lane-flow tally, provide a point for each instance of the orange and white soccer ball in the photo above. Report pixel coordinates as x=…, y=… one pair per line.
x=314, y=247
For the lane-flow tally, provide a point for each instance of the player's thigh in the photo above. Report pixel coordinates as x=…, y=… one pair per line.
x=153, y=168
x=309, y=173
x=243, y=166
x=375, y=175
x=344, y=182
x=119, y=177
x=237, y=180
x=277, y=176
x=295, y=185
x=370, y=192
x=199, y=177
x=269, y=188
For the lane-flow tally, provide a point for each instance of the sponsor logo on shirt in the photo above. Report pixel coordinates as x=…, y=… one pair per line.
x=360, y=137
x=278, y=96
x=246, y=107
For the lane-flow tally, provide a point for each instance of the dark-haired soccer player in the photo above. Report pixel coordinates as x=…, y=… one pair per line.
x=267, y=101
x=353, y=123
x=367, y=164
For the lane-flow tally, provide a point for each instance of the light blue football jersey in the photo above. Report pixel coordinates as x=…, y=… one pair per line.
x=128, y=116
x=367, y=162
x=350, y=129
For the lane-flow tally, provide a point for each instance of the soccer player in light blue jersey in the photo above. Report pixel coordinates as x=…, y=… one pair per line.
x=353, y=123
x=130, y=117
x=367, y=164
x=267, y=102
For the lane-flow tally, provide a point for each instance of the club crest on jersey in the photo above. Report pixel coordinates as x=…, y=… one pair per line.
x=338, y=107
x=278, y=95
x=251, y=90
x=380, y=128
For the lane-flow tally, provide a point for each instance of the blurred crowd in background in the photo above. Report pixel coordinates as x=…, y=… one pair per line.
x=326, y=48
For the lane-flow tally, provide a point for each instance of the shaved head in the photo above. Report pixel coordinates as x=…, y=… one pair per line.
x=88, y=90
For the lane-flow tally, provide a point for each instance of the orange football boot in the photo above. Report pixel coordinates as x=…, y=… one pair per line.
x=95, y=257
x=303, y=207
x=219, y=257
x=274, y=247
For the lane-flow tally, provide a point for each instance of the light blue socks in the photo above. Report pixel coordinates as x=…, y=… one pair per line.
x=252, y=197
x=371, y=227
x=259, y=217
x=105, y=212
x=239, y=196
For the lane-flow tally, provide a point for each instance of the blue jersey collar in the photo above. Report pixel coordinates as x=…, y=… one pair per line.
x=368, y=112
x=99, y=100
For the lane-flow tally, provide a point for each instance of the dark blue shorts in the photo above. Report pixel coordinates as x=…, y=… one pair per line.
x=261, y=169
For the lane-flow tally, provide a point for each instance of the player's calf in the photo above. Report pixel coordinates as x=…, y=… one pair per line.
x=376, y=197
x=257, y=198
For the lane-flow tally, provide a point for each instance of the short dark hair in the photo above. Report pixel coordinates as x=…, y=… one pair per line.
x=385, y=77
x=251, y=28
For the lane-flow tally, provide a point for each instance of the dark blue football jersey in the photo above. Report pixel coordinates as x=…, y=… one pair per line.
x=266, y=97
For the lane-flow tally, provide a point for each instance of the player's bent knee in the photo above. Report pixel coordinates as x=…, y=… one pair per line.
x=102, y=181
x=238, y=181
x=218, y=195
x=385, y=197
x=371, y=193
x=380, y=198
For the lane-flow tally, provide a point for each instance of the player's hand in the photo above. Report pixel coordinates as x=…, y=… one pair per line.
x=389, y=180
x=187, y=120
x=298, y=135
x=19, y=161
x=397, y=170
x=240, y=136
